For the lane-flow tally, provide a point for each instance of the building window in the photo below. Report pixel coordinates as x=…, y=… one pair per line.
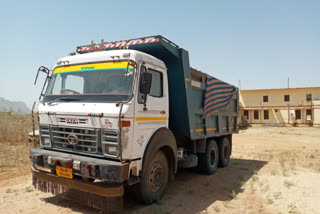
x=298, y=114
x=286, y=98
x=309, y=114
x=265, y=99
x=256, y=114
x=309, y=97
x=246, y=115
x=266, y=114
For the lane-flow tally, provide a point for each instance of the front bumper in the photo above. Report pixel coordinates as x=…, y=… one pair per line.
x=106, y=190
x=90, y=168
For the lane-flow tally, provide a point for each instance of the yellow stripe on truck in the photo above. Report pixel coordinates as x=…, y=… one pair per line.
x=92, y=67
x=150, y=118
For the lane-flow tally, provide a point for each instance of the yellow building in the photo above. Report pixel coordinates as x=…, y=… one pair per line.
x=285, y=106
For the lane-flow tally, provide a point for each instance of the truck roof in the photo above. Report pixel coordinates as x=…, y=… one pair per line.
x=109, y=56
x=158, y=46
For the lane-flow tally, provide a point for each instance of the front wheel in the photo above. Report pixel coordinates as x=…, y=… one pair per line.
x=154, y=178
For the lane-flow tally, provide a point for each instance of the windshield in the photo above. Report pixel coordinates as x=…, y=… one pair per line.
x=101, y=82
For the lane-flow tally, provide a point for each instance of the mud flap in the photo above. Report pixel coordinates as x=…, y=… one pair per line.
x=108, y=199
x=48, y=186
x=106, y=204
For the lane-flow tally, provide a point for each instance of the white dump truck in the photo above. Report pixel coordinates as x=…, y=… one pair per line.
x=129, y=113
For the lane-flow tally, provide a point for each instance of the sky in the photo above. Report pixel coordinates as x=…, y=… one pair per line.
x=260, y=43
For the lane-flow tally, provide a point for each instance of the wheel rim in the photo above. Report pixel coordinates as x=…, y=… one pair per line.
x=156, y=176
x=213, y=157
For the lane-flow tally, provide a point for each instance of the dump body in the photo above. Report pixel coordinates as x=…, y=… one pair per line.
x=186, y=95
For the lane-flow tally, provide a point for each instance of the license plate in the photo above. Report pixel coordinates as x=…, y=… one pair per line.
x=64, y=172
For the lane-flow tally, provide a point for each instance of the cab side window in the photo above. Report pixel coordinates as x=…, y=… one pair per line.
x=156, y=85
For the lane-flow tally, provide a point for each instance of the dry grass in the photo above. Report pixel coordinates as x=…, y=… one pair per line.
x=288, y=184
x=14, y=145
x=14, y=127
x=292, y=208
x=217, y=209
x=29, y=189
x=277, y=195
x=237, y=187
x=269, y=200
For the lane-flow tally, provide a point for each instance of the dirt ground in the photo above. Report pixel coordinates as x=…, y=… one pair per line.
x=273, y=170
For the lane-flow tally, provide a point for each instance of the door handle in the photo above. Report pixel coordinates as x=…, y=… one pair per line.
x=162, y=112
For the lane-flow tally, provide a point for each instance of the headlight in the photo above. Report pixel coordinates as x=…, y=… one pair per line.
x=46, y=140
x=111, y=150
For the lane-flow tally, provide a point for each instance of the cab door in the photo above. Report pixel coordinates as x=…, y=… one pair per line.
x=155, y=114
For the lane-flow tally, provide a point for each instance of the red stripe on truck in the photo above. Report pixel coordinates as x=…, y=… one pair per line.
x=84, y=49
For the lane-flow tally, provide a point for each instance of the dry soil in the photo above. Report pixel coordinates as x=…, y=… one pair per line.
x=272, y=170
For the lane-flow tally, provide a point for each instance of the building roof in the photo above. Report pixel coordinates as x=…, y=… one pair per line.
x=280, y=89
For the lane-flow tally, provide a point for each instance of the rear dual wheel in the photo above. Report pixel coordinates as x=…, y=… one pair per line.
x=215, y=155
x=208, y=161
x=224, y=152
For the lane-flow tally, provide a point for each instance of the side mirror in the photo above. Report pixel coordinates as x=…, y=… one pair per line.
x=145, y=87
x=145, y=84
x=46, y=71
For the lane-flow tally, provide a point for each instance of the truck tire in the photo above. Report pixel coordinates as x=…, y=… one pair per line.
x=208, y=162
x=154, y=179
x=224, y=152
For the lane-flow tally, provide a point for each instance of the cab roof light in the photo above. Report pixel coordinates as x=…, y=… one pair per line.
x=95, y=115
x=124, y=48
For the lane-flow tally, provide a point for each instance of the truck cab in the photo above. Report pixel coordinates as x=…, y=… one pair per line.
x=100, y=91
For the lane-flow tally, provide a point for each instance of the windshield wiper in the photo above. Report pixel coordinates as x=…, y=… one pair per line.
x=63, y=99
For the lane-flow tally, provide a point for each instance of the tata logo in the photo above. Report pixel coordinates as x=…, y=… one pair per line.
x=72, y=120
x=72, y=139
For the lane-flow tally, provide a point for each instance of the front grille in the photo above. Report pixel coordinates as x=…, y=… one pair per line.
x=44, y=131
x=110, y=137
x=87, y=139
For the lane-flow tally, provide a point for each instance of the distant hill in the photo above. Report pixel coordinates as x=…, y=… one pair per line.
x=13, y=106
